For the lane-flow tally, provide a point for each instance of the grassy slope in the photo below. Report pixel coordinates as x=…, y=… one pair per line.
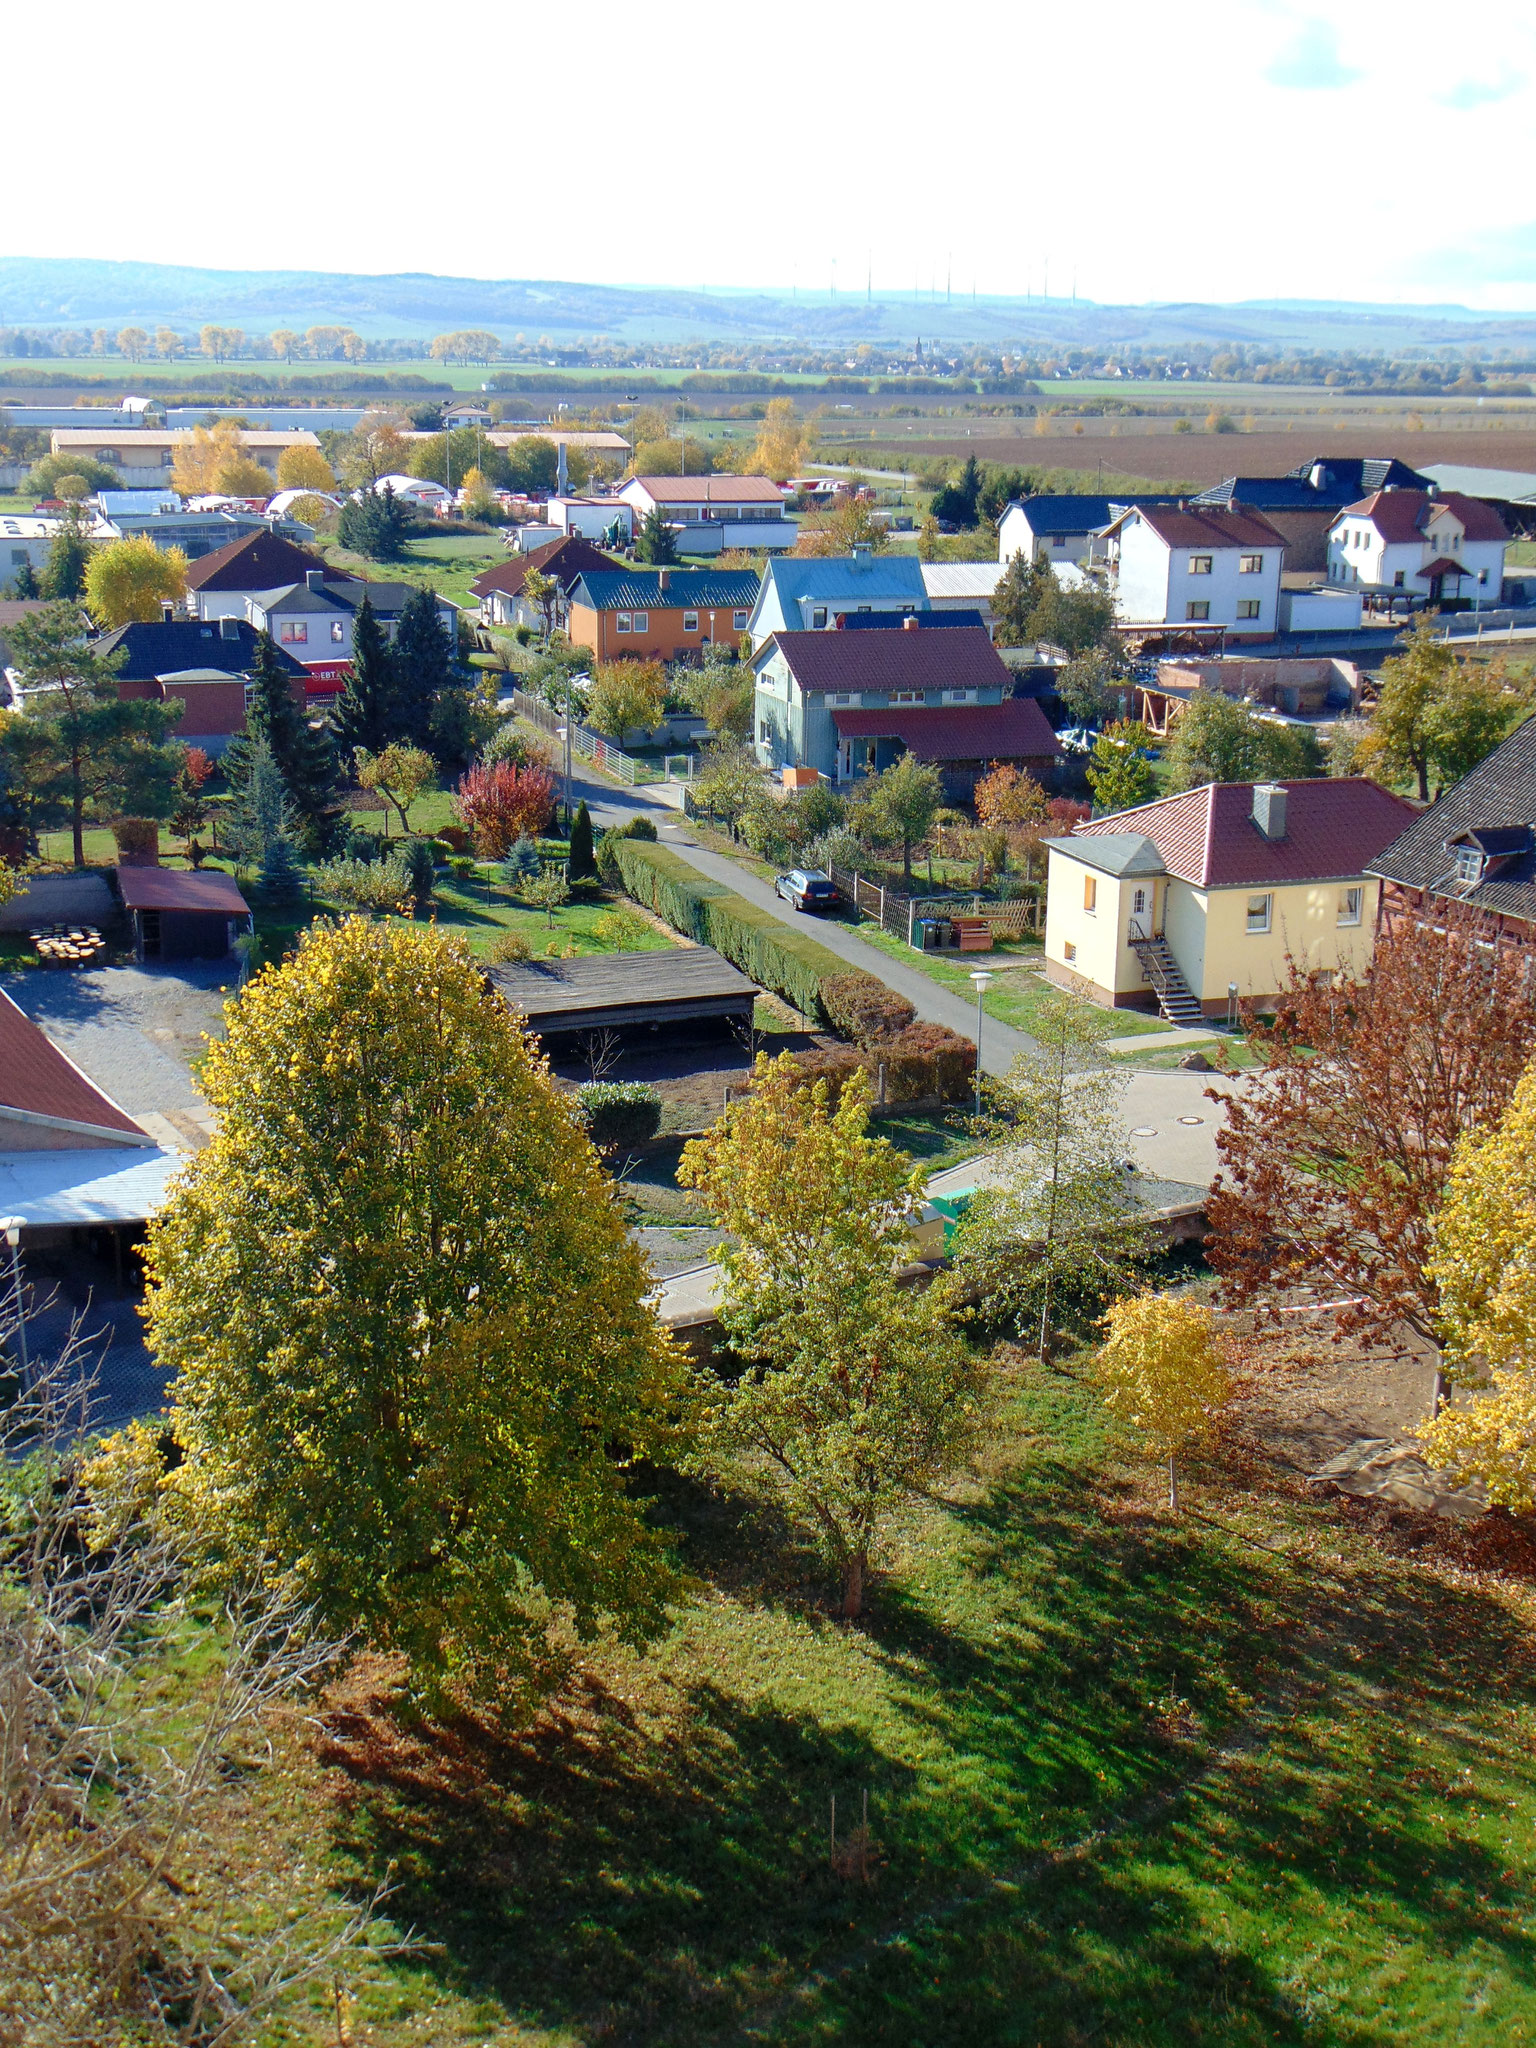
x=1240, y=1777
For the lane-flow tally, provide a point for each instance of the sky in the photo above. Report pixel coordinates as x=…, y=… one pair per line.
x=1217, y=150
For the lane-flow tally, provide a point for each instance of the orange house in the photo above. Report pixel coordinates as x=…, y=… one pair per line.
x=660, y=614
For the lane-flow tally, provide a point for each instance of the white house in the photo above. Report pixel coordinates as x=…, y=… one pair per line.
x=1419, y=544
x=1197, y=565
x=1059, y=528
x=592, y=518
x=711, y=513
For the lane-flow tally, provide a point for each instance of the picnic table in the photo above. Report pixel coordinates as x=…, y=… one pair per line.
x=67, y=945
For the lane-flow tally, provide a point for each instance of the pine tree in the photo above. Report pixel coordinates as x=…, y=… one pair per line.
x=582, y=865
x=656, y=543
x=24, y=583
x=365, y=713
x=424, y=665
x=305, y=754
x=281, y=879
x=260, y=813
x=64, y=575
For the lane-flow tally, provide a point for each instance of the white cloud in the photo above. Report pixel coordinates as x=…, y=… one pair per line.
x=1310, y=61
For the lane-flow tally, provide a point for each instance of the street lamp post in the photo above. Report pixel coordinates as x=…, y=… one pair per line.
x=983, y=981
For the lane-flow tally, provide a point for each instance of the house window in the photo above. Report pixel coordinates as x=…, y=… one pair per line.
x=1197, y=608
x=818, y=618
x=621, y=623
x=1397, y=578
x=1140, y=902
x=1351, y=903
x=1201, y=565
x=959, y=696
x=1469, y=866
x=1258, y=913
x=642, y=621
x=1091, y=894
x=1248, y=608
x=338, y=632
x=294, y=632
x=763, y=730
x=844, y=697
x=908, y=697
x=738, y=622
x=1250, y=565
x=1069, y=950
x=690, y=622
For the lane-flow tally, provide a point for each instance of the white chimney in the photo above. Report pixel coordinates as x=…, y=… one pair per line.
x=1269, y=808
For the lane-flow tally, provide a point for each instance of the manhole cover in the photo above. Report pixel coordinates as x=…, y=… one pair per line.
x=1191, y=1119
x=1143, y=1131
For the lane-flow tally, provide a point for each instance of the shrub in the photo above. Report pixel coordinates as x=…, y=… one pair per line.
x=500, y=801
x=413, y=857
x=137, y=836
x=619, y=1113
x=365, y=884
x=927, y=1060
x=461, y=866
x=441, y=848
x=507, y=948
x=454, y=837
x=638, y=828
x=864, y=1010
x=753, y=940
x=834, y=1064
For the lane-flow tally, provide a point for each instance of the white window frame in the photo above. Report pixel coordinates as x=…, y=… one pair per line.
x=1069, y=951
x=1248, y=608
x=818, y=618
x=1202, y=565
x=847, y=699
x=739, y=622
x=690, y=622
x=908, y=697
x=339, y=632
x=1090, y=895
x=1264, y=913
x=1351, y=906
x=623, y=622
x=642, y=621
x=293, y=633
x=1469, y=867
x=960, y=697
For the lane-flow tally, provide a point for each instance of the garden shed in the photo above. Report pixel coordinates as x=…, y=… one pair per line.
x=653, y=991
x=182, y=914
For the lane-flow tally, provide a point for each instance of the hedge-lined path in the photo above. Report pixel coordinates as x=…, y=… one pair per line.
x=1173, y=1127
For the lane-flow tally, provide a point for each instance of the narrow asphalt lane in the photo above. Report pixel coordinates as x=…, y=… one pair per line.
x=1172, y=1125
x=1000, y=1043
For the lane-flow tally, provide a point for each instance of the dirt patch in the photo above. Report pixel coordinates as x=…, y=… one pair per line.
x=1305, y=1399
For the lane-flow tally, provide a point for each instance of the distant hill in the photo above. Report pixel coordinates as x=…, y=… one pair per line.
x=53, y=291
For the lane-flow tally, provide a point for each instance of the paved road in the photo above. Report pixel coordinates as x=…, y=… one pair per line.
x=1172, y=1125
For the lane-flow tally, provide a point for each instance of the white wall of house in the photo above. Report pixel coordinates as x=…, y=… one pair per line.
x=1238, y=587
x=1358, y=554
x=1016, y=536
x=308, y=636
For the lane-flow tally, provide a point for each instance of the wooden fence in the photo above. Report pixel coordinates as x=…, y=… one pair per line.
x=1020, y=917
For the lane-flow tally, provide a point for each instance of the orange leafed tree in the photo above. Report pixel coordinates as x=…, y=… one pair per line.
x=500, y=802
x=1336, y=1156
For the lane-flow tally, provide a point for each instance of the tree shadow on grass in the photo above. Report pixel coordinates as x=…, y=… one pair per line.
x=1126, y=1781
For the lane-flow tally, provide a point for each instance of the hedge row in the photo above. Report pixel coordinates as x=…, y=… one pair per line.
x=926, y=1062
x=753, y=940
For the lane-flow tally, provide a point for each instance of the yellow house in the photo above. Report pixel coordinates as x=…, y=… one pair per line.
x=1176, y=905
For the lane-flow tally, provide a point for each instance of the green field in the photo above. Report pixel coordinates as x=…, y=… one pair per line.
x=449, y=563
x=1257, y=1774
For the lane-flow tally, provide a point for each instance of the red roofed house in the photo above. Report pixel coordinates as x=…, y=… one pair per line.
x=708, y=514
x=500, y=590
x=1201, y=566
x=1172, y=905
x=848, y=704
x=1418, y=544
x=218, y=585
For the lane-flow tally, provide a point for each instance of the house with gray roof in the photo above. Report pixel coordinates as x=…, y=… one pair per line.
x=1474, y=848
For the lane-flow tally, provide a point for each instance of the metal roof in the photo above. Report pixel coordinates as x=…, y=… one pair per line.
x=639, y=590
x=48, y=1189
x=209, y=889
x=1113, y=853
x=1505, y=486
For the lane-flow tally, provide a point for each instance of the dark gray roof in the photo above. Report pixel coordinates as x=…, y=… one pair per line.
x=165, y=647
x=1078, y=514
x=668, y=985
x=1500, y=792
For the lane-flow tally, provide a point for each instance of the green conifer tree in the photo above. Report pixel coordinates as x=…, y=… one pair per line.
x=582, y=865
x=305, y=752
x=365, y=713
x=64, y=575
x=656, y=544
x=424, y=667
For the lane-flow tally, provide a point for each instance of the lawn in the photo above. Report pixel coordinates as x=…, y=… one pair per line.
x=479, y=910
x=1016, y=994
x=1257, y=1774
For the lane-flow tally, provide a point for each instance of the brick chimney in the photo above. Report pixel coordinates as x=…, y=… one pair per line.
x=664, y=579
x=910, y=623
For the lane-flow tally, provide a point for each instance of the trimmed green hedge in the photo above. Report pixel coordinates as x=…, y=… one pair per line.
x=753, y=940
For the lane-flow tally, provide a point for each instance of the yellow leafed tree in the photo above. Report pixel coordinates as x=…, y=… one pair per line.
x=1165, y=1370
x=784, y=441
x=200, y=457
x=305, y=469
x=130, y=579
x=410, y=1331
x=1485, y=1266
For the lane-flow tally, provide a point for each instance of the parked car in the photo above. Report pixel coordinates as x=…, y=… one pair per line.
x=806, y=889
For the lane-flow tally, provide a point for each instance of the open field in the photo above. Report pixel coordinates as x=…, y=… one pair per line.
x=1256, y=1774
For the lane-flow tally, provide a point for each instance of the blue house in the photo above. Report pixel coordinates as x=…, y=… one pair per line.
x=850, y=703
x=806, y=593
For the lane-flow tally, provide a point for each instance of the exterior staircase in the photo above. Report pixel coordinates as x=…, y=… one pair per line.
x=1174, y=996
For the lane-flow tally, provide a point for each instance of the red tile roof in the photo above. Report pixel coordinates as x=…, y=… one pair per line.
x=259, y=561
x=36, y=1078
x=898, y=658
x=1334, y=827
x=1209, y=526
x=565, y=559
x=1400, y=516
x=709, y=490
x=152, y=888
x=1016, y=730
